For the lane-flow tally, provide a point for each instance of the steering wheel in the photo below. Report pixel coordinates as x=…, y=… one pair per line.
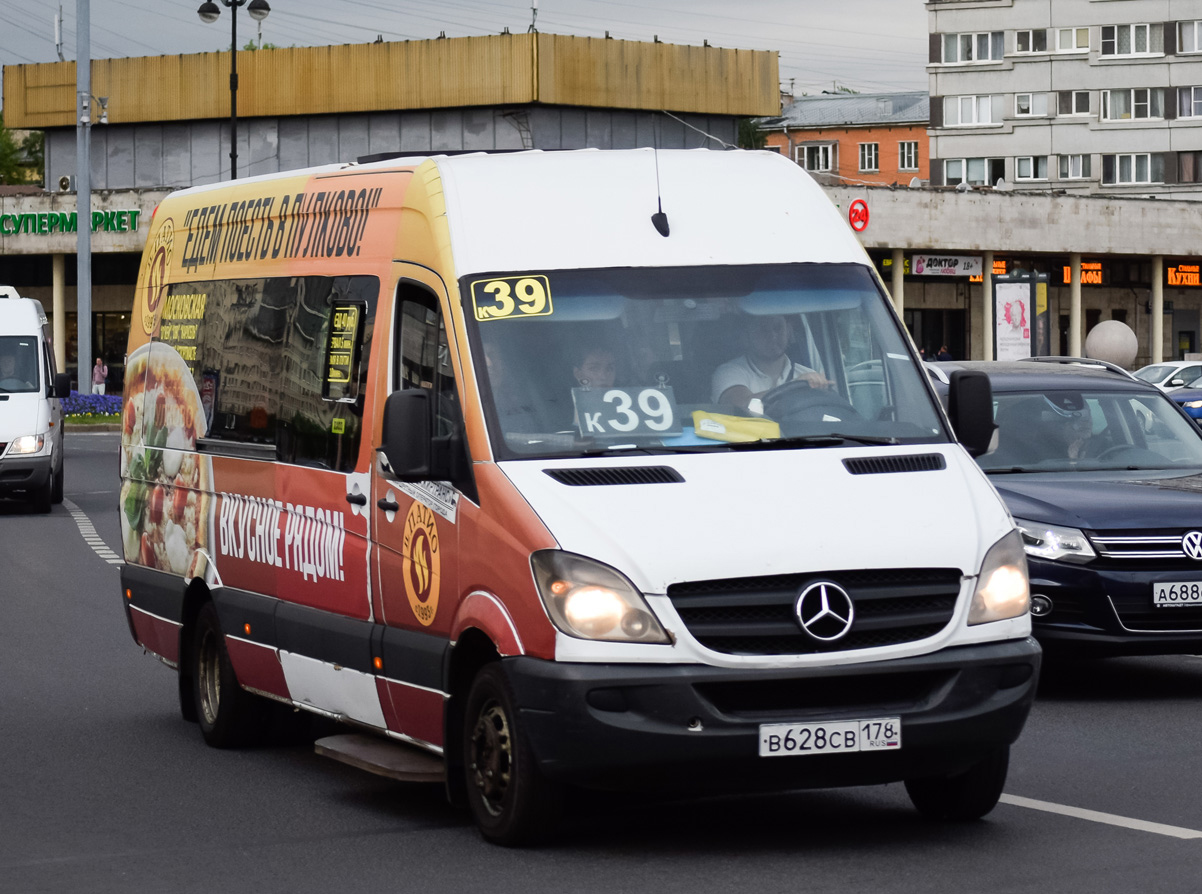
x=1112, y=451
x=798, y=401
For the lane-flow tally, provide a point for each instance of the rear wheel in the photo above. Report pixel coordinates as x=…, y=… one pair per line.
x=511, y=801
x=228, y=715
x=965, y=796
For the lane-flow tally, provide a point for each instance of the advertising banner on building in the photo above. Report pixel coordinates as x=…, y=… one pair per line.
x=946, y=265
x=1012, y=320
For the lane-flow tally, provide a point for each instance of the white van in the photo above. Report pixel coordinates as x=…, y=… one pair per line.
x=31, y=417
x=499, y=459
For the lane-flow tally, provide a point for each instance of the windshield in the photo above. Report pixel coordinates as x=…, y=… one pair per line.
x=18, y=363
x=1154, y=374
x=662, y=359
x=1086, y=430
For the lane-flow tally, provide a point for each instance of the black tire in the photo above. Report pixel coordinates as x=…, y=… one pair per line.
x=512, y=803
x=56, y=491
x=965, y=796
x=41, y=498
x=228, y=715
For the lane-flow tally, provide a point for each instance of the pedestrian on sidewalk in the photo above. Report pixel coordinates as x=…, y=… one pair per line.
x=100, y=373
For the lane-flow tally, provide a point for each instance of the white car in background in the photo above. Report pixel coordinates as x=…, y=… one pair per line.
x=1171, y=375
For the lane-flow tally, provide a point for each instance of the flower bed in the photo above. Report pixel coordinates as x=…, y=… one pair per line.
x=91, y=407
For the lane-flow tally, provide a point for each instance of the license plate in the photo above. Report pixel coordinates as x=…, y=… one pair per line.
x=1177, y=594
x=830, y=737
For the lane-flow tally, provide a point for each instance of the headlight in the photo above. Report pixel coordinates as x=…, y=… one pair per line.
x=1193, y=404
x=27, y=444
x=1054, y=542
x=593, y=601
x=1002, y=589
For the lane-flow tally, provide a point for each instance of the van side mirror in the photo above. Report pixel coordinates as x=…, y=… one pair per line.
x=970, y=408
x=406, y=445
x=62, y=385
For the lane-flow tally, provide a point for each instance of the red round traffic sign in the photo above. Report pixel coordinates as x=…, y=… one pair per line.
x=857, y=215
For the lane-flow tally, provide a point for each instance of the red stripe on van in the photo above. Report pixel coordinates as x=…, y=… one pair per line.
x=156, y=634
x=257, y=666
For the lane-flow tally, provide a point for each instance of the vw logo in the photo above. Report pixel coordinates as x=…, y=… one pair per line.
x=1191, y=544
x=825, y=611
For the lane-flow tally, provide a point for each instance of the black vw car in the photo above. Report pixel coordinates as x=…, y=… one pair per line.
x=1103, y=475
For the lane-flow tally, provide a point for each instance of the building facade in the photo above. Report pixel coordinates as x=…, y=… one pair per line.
x=1082, y=96
x=868, y=138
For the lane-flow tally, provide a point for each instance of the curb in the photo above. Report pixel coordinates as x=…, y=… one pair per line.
x=70, y=427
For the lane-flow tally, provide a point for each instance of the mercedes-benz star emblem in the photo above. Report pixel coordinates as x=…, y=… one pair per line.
x=1191, y=544
x=825, y=611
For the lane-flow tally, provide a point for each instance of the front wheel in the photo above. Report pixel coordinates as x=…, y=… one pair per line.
x=228, y=715
x=963, y=796
x=511, y=801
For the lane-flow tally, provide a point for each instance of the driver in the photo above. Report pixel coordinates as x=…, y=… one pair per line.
x=1072, y=429
x=764, y=365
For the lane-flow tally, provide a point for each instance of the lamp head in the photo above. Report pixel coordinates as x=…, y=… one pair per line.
x=258, y=9
x=209, y=12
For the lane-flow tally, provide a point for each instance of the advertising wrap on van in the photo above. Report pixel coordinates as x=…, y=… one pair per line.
x=191, y=505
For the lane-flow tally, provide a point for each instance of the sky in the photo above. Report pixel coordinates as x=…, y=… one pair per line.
x=866, y=45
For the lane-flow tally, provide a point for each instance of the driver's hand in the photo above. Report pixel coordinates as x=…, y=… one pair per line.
x=816, y=380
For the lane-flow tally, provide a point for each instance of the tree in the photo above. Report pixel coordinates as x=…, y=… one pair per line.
x=750, y=135
x=21, y=161
x=11, y=170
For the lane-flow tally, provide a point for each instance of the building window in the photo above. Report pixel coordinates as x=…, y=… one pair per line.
x=982, y=47
x=907, y=156
x=869, y=156
x=1132, y=40
x=1074, y=102
x=1074, y=167
x=1189, y=102
x=1139, y=167
x=1190, y=37
x=1189, y=167
x=975, y=171
x=816, y=158
x=1031, y=167
x=775, y=149
x=1031, y=41
x=1030, y=105
x=1139, y=102
x=1072, y=40
x=963, y=111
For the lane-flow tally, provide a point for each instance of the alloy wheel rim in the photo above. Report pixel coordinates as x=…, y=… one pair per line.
x=492, y=757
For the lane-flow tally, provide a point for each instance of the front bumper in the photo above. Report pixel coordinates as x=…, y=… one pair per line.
x=697, y=727
x=23, y=474
x=1106, y=611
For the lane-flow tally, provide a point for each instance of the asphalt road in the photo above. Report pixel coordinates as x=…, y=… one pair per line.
x=105, y=788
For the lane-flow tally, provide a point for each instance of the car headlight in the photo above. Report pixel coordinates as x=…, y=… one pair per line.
x=589, y=600
x=1193, y=405
x=1055, y=543
x=27, y=444
x=1003, y=590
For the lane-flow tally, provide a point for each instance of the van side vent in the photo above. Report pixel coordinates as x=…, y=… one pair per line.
x=885, y=465
x=606, y=476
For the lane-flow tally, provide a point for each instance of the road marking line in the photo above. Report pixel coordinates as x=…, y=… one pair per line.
x=87, y=530
x=1099, y=817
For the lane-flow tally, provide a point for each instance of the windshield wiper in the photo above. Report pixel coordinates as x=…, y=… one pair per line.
x=650, y=450
x=802, y=441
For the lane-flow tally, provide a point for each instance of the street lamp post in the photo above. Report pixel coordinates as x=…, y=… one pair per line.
x=209, y=12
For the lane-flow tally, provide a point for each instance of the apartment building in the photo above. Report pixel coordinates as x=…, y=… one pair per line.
x=864, y=138
x=1080, y=96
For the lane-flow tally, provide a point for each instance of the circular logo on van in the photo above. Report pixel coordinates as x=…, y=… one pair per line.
x=420, y=563
x=825, y=611
x=158, y=262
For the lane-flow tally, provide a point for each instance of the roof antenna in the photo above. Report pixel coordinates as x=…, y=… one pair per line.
x=659, y=220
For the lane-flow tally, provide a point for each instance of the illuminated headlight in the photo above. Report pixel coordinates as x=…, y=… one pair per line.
x=1193, y=405
x=27, y=444
x=593, y=601
x=1002, y=589
x=1055, y=543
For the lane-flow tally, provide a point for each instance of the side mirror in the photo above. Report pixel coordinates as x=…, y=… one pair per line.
x=62, y=385
x=970, y=408
x=406, y=443
x=1176, y=383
